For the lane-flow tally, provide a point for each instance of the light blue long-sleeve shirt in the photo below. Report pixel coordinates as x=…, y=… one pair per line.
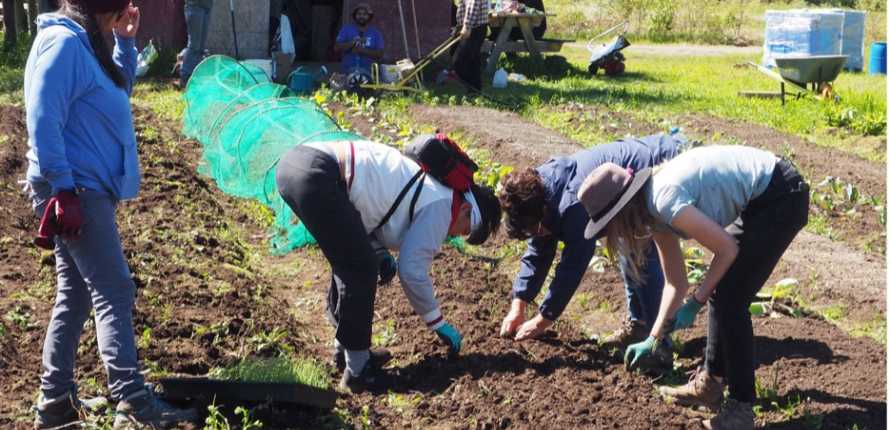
x=80, y=126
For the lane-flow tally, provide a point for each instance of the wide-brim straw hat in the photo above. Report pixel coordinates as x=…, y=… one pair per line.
x=606, y=191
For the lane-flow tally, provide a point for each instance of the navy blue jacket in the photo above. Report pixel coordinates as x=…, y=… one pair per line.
x=566, y=220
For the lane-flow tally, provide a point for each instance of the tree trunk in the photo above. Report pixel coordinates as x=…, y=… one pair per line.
x=9, y=33
x=32, y=17
x=21, y=17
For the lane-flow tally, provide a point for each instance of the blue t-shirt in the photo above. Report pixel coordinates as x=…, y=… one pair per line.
x=371, y=39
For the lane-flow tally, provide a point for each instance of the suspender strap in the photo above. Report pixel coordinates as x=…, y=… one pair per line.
x=395, y=205
x=414, y=199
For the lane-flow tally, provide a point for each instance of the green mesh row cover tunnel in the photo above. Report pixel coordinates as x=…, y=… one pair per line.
x=245, y=123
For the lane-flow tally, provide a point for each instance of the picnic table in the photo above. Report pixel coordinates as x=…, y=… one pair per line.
x=505, y=22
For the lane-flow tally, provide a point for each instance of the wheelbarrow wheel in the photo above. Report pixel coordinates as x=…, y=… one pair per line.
x=614, y=68
x=592, y=69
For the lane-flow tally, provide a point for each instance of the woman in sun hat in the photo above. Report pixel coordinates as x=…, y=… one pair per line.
x=745, y=205
x=82, y=162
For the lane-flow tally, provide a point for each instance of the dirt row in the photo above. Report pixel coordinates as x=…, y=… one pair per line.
x=833, y=272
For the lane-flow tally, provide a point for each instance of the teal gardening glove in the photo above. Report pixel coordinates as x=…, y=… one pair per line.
x=450, y=336
x=638, y=351
x=685, y=316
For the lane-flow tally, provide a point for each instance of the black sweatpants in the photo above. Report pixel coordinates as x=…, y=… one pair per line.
x=309, y=182
x=468, y=57
x=763, y=231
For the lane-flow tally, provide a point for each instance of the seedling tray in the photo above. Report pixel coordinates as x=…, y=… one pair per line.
x=199, y=388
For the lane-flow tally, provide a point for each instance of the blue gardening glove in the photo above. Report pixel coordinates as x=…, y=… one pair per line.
x=387, y=269
x=638, y=351
x=685, y=316
x=450, y=336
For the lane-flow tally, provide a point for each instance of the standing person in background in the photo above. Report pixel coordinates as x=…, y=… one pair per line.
x=197, y=23
x=360, y=43
x=472, y=18
x=82, y=161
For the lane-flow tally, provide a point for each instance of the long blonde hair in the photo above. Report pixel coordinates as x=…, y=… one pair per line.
x=629, y=233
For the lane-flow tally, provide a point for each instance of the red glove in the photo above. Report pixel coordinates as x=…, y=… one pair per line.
x=61, y=216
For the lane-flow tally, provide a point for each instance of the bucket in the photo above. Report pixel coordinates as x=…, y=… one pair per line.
x=877, y=62
x=300, y=81
x=265, y=65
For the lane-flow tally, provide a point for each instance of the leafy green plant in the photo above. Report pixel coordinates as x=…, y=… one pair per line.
x=275, y=340
x=145, y=339
x=385, y=335
x=20, y=316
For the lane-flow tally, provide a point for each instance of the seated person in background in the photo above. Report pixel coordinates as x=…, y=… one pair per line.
x=359, y=43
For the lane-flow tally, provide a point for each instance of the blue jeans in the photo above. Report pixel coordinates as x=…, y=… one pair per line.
x=643, y=299
x=92, y=274
x=197, y=22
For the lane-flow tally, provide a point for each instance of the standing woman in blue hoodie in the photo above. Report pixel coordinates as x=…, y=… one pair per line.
x=82, y=162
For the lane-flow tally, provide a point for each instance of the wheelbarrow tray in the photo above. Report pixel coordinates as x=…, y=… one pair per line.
x=810, y=69
x=615, y=45
x=200, y=388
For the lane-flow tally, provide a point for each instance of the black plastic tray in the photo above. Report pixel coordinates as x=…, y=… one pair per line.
x=199, y=388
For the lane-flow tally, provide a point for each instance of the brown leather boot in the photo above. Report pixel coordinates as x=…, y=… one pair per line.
x=630, y=332
x=702, y=389
x=734, y=415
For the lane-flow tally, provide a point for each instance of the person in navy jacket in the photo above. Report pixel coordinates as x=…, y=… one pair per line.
x=542, y=206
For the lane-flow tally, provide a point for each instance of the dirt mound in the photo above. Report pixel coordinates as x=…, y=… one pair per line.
x=565, y=381
x=201, y=302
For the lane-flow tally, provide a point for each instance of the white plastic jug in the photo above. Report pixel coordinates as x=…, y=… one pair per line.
x=500, y=79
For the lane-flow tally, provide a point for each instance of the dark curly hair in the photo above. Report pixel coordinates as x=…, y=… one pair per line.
x=524, y=201
x=490, y=209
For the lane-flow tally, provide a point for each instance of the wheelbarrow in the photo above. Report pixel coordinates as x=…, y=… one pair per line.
x=802, y=73
x=608, y=56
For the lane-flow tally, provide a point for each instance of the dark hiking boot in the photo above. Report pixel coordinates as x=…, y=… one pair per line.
x=733, y=415
x=379, y=356
x=63, y=412
x=372, y=378
x=630, y=332
x=143, y=410
x=702, y=389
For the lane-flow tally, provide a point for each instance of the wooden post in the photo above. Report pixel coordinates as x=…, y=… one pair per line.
x=9, y=33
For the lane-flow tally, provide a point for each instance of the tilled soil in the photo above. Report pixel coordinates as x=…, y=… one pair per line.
x=200, y=302
x=833, y=271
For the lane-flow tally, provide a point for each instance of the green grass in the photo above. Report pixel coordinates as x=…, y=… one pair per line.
x=162, y=98
x=279, y=369
x=660, y=89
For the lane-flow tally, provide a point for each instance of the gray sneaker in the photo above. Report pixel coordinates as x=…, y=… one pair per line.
x=63, y=412
x=143, y=410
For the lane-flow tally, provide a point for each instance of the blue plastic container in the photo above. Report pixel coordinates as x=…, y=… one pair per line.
x=877, y=61
x=301, y=82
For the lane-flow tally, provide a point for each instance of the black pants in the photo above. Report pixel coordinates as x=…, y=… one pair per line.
x=309, y=181
x=763, y=231
x=468, y=57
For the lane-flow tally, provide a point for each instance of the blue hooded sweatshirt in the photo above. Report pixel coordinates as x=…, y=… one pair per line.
x=80, y=127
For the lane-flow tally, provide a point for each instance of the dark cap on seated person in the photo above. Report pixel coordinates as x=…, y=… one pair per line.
x=101, y=6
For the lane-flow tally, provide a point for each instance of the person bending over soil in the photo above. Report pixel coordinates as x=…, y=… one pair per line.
x=82, y=161
x=542, y=206
x=344, y=193
x=743, y=204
